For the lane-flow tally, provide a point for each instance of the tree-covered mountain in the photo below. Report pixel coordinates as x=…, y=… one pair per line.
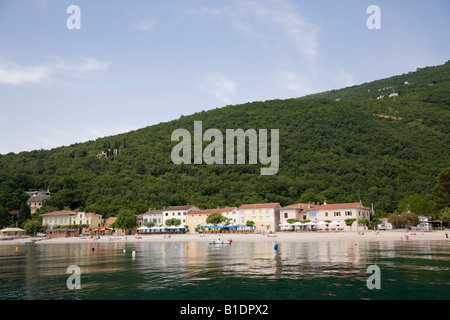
x=340, y=146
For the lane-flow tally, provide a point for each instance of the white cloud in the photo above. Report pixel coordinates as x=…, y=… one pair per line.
x=268, y=21
x=220, y=86
x=14, y=74
x=11, y=73
x=145, y=25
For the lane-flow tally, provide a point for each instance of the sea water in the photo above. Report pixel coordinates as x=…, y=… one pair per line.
x=196, y=270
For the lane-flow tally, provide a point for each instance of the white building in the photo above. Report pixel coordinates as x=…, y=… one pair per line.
x=58, y=218
x=294, y=211
x=177, y=212
x=153, y=215
x=339, y=212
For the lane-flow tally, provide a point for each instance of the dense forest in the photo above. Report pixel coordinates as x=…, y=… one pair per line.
x=340, y=146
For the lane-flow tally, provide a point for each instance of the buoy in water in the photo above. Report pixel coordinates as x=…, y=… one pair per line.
x=276, y=247
x=124, y=250
x=185, y=248
x=17, y=248
x=133, y=254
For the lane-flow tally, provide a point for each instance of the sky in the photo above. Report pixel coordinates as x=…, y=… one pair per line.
x=132, y=64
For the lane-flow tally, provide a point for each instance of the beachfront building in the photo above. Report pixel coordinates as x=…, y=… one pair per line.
x=63, y=218
x=153, y=215
x=94, y=220
x=197, y=218
x=36, y=199
x=109, y=221
x=177, y=212
x=57, y=218
x=266, y=216
x=339, y=212
x=295, y=211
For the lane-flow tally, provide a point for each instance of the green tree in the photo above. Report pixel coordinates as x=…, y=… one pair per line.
x=415, y=204
x=310, y=196
x=405, y=219
x=444, y=215
x=349, y=222
x=126, y=219
x=364, y=221
x=441, y=192
x=149, y=224
x=5, y=220
x=33, y=226
x=24, y=214
x=250, y=223
x=173, y=222
x=215, y=218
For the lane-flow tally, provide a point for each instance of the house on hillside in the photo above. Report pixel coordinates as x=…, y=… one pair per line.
x=36, y=199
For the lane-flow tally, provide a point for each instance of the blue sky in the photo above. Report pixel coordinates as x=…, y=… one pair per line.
x=139, y=63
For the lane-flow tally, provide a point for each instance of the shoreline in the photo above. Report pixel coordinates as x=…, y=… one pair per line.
x=391, y=235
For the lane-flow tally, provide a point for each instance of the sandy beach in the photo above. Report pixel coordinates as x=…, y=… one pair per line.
x=395, y=235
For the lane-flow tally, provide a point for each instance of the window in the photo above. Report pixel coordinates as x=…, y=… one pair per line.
x=348, y=213
x=337, y=214
x=312, y=213
x=285, y=214
x=267, y=210
x=179, y=213
x=326, y=214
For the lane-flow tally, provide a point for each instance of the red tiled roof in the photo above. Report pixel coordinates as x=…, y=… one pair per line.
x=14, y=212
x=226, y=209
x=298, y=206
x=259, y=205
x=59, y=213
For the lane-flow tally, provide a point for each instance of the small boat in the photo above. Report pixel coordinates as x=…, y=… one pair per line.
x=219, y=241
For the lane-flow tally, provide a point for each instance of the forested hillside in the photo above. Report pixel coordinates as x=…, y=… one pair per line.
x=338, y=146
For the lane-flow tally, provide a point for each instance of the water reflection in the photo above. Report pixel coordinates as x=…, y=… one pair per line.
x=245, y=270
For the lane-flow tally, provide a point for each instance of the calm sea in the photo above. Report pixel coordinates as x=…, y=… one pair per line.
x=241, y=271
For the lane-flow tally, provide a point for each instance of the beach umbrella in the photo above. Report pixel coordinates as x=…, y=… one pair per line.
x=335, y=223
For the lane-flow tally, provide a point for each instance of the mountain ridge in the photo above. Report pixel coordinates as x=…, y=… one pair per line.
x=334, y=145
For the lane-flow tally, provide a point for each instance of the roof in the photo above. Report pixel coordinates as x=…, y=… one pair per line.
x=38, y=198
x=226, y=209
x=171, y=208
x=93, y=214
x=59, y=213
x=298, y=206
x=12, y=230
x=338, y=206
x=259, y=205
x=153, y=211
x=14, y=212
